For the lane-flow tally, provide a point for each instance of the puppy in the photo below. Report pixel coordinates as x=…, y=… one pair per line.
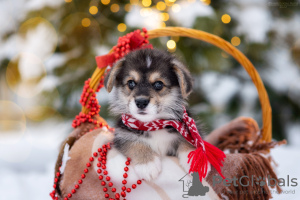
x=149, y=84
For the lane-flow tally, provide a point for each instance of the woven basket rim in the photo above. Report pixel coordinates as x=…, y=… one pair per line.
x=266, y=130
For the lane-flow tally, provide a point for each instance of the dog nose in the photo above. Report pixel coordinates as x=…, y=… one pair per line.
x=142, y=103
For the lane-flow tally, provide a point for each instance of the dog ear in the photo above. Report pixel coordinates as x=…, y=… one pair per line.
x=184, y=78
x=110, y=78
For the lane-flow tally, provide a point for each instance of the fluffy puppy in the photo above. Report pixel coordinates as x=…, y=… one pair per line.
x=149, y=84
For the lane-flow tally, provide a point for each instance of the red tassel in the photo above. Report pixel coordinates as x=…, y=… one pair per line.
x=200, y=159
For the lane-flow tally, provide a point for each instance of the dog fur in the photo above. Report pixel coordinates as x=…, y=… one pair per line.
x=149, y=84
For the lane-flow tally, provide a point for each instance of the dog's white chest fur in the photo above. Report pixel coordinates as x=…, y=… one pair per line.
x=160, y=141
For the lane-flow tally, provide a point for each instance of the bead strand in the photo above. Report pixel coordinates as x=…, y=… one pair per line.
x=101, y=156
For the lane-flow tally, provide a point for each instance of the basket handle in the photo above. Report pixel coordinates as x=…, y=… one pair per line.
x=227, y=47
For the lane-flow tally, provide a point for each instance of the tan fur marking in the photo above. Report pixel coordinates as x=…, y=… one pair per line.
x=156, y=76
x=141, y=153
x=185, y=146
x=181, y=82
x=133, y=75
x=112, y=76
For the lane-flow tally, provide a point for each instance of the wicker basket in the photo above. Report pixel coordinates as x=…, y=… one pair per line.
x=266, y=130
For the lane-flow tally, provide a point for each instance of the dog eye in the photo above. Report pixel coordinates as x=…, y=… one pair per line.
x=158, y=85
x=131, y=84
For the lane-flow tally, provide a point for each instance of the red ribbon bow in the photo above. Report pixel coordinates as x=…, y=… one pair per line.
x=130, y=42
x=199, y=158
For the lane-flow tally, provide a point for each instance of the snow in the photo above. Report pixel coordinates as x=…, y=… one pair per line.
x=189, y=12
x=27, y=157
x=288, y=159
x=284, y=73
x=147, y=18
x=249, y=17
x=219, y=88
x=27, y=162
x=185, y=17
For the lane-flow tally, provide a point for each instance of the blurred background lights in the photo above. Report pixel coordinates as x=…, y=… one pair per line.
x=206, y=2
x=12, y=122
x=105, y=2
x=176, y=8
x=40, y=113
x=24, y=73
x=175, y=38
x=171, y=44
x=93, y=10
x=161, y=6
x=127, y=7
x=226, y=18
x=114, y=8
x=169, y=2
x=85, y=22
x=146, y=3
x=68, y=1
x=145, y=12
x=134, y=2
x=37, y=36
x=162, y=24
x=164, y=16
x=235, y=41
x=224, y=54
x=122, y=27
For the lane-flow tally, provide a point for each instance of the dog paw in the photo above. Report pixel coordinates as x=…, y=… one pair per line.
x=148, y=171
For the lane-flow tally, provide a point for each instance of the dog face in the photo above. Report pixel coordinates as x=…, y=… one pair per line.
x=149, y=84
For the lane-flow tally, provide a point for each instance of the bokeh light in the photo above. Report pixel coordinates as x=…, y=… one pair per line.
x=134, y=2
x=12, y=122
x=162, y=24
x=68, y=1
x=171, y=44
x=146, y=3
x=93, y=10
x=161, y=6
x=145, y=12
x=176, y=8
x=38, y=37
x=169, y=2
x=23, y=74
x=40, y=113
x=164, y=16
x=226, y=18
x=127, y=7
x=114, y=8
x=84, y=29
x=105, y=2
x=175, y=38
x=224, y=54
x=235, y=41
x=86, y=22
x=122, y=27
x=206, y=2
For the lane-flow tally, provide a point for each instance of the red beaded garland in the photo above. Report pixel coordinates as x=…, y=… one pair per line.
x=89, y=100
x=103, y=177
